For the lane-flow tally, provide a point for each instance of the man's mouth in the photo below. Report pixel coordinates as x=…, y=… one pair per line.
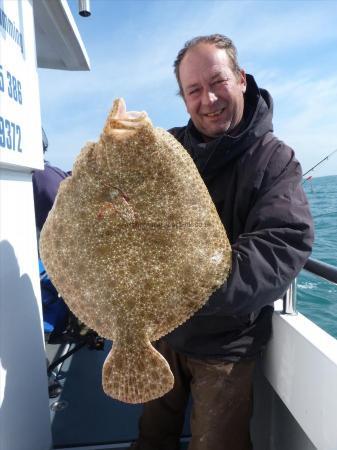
x=215, y=113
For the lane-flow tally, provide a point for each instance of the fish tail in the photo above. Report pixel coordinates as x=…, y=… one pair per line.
x=136, y=375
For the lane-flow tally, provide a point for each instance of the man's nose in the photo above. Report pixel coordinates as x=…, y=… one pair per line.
x=209, y=97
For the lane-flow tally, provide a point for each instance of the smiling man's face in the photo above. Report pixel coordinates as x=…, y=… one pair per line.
x=212, y=92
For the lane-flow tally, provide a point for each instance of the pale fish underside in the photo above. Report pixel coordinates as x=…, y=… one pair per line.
x=135, y=247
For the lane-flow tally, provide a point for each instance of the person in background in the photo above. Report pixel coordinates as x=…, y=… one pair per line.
x=45, y=186
x=255, y=181
x=46, y=183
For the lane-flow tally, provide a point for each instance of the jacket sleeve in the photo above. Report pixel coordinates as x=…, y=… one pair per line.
x=45, y=186
x=276, y=242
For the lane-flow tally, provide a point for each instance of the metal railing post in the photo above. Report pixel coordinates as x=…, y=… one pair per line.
x=289, y=300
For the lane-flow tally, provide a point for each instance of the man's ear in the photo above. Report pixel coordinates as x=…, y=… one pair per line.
x=243, y=80
x=181, y=95
x=183, y=99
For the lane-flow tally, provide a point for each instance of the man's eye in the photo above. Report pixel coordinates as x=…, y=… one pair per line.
x=223, y=80
x=194, y=91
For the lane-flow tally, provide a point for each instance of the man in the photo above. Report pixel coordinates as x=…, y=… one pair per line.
x=255, y=183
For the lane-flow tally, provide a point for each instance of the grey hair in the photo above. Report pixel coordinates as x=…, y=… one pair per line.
x=219, y=40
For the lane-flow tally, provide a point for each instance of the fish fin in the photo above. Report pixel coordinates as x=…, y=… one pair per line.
x=118, y=109
x=137, y=374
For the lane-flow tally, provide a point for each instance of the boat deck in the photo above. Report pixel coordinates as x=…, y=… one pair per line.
x=82, y=416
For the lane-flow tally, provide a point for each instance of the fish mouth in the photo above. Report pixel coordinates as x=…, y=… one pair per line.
x=122, y=124
x=120, y=118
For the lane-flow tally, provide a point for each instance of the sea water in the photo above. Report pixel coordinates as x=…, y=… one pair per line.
x=317, y=298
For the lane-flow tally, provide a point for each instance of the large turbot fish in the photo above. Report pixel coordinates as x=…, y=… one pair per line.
x=135, y=247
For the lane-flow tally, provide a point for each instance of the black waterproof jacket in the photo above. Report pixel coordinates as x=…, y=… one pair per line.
x=255, y=183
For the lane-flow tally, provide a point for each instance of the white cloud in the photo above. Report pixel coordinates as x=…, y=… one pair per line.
x=305, y=116
x=286, y=26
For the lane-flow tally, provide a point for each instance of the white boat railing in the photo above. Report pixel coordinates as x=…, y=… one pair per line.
x=289, y=300
x=315, y=267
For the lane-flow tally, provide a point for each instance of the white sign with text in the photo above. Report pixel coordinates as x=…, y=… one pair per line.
x=20, y=117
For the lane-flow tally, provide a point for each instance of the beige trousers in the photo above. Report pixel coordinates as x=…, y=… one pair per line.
x=221, y=406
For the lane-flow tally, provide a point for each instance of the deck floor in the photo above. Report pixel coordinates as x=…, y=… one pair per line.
x=87, y=417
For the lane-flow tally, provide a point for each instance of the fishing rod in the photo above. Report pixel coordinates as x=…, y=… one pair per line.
x=319, y=162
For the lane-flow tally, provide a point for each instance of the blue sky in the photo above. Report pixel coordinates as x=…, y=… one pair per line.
x=289, y=46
